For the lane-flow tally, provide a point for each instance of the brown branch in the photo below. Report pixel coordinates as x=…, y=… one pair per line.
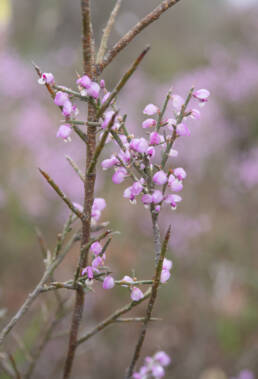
x=154, y=291
x=128, y=37
x=89, y=184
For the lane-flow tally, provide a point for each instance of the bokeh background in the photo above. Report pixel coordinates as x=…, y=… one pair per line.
x=210, y=306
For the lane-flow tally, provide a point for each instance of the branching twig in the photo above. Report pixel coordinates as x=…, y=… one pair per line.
x=127, y=38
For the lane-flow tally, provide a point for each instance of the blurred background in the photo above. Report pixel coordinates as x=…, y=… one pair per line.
x=210, y=306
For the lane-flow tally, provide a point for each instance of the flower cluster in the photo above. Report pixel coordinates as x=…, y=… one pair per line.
x=87, y=88
x=97, y=263
x=153, y=367
x=144, y=159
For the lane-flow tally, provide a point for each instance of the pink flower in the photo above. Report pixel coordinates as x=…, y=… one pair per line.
x=136, y=294
x=127, y=279
x=64, y=132
x=195, y=114
x=173, y=153
x=125, y=156
x=151, y=152
x=94, y=90
x=165, y=275
x=149, y=123
x=157, y=208
x=155, y=138
x=177, y=102
x=102, y=84
x=172, y=200
x=137, y=188
x=183, y=130
x=84, y=81
x=162, y=358
x=158, y=371
x=157, y=197
x=171, y=122
x=46, y=78
x=150, y=110
x=119, y=175
x=108, y=283
x=167, y=264
x=88, y=271
x=180, y=173
x=67, y=108
x=98, y=261
x=140, y=145
x=60, y=98
x=99, y=203
x=201, y=94
x=160, y=178
x=176, y=185
x=96, y=248
x=146, y=199
x=107, y=163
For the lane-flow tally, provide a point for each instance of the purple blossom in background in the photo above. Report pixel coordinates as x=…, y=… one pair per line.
x=154, y=367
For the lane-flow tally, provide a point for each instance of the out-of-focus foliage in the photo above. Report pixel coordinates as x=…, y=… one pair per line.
x=210, y=306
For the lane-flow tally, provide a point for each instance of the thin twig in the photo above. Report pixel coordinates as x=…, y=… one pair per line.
x=61, y=194
x=107, y=31
x=128, y=37
x=75, y=167
x=161, y=114
x=151, y=302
